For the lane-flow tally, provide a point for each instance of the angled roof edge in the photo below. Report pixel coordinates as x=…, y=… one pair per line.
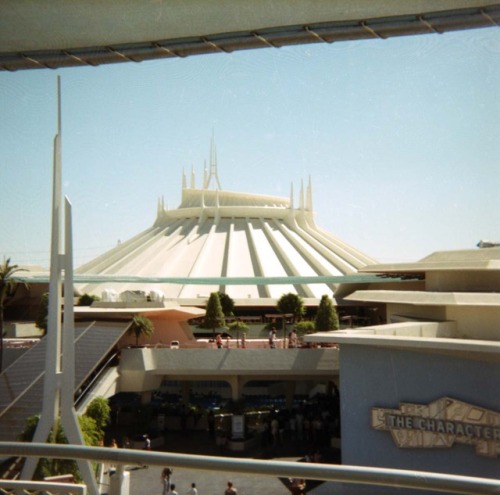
x=55, y=34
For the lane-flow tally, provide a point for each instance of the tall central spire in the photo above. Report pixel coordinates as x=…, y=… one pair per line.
x=213, y=165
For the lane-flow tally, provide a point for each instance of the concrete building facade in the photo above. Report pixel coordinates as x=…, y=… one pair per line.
x=419, y=392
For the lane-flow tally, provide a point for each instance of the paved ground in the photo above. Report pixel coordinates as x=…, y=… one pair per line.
x=147, y=481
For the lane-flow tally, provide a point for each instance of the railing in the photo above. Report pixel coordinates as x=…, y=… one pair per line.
x=444, y=483
x=36, y=487
x=99, y=372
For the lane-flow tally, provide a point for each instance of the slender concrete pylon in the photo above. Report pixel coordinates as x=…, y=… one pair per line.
x=184, y=182
x=59, y=379
x=213, y=165
x=309, y=201
x=301, y=201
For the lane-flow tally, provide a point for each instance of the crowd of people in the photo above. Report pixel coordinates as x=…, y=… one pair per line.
x=290, y=342
x=170, y=488
x=312, y=423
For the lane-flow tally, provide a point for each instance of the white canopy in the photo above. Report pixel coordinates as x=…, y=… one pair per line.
x=61, y=33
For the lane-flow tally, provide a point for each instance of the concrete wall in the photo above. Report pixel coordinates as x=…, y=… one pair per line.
x=379, y=377
x=415, y=311
x=483, y=324
x=462, y=281
x=473, y=322
x=142, y=369
x=16, y=330
x=165, y=330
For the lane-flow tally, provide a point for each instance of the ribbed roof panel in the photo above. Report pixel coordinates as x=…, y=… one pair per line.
x=223, y=234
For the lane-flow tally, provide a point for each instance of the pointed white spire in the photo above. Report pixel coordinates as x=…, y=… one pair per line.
x=301, y=196
x=192, y=177
x=309, y=202
x=59, y=378
x=184, y=183
x=291, y=196
x=213, y=164
x=205, y=180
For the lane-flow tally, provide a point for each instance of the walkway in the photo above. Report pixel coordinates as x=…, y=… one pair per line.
x=147, y=481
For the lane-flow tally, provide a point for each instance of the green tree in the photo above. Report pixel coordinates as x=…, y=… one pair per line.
x=100, y=411
x=238, y=326
x=141, y=326
x=87, y=300
x=8, y=287
x=43, y=312
x=214, y=316
x=291, y=304
x=226, y=303
x=326, y=317
x=92, y=435
x=304, y=327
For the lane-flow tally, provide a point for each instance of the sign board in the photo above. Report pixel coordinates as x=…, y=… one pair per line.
x=440, y=424
x=238, y=427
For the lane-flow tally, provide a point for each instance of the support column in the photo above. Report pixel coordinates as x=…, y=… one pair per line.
x=241, y=384
x=186, y=391
x=119, y=482
x=235, y=388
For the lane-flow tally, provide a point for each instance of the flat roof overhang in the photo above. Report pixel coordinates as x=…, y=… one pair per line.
x=226, y=362
x=481, y=350
x=173, y=312
x=57, y=33
x=426, y=298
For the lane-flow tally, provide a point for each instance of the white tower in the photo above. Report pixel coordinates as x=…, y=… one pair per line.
x=213, y=166
x=59, y=379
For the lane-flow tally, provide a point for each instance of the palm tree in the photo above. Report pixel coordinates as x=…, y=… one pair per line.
x=141, y=326
x=43, y=313
x=8, y=286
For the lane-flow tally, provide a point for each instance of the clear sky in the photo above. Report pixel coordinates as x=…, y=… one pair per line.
x=401, y=138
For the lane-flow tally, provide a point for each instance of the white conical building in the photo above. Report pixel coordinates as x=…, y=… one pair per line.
x=217, y=234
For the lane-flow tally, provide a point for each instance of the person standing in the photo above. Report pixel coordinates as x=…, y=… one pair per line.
x=230, y=490
x=165, y=477
x=172, y=490
x=272, y=338
x=146, y=446
x=193, y=490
